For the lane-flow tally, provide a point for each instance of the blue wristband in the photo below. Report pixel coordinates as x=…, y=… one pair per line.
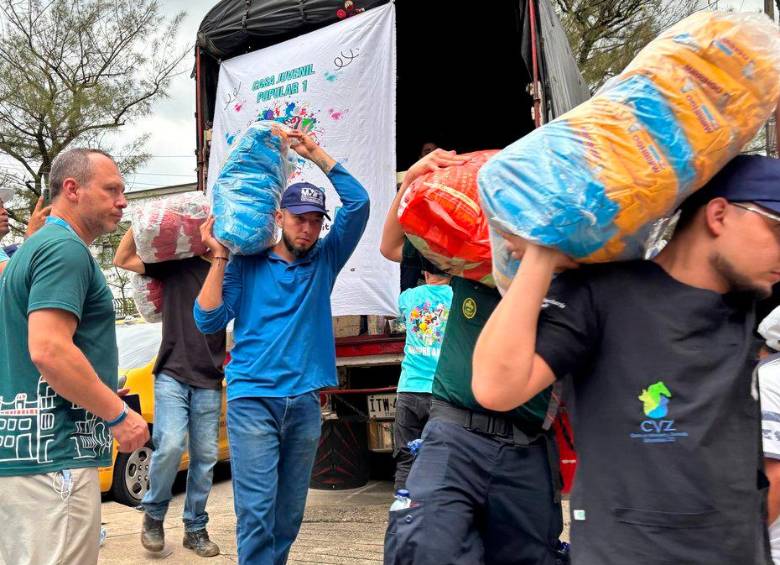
x=119, y=419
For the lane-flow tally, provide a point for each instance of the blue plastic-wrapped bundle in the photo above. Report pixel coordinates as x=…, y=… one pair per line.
x=593, y=182
x=249, y=188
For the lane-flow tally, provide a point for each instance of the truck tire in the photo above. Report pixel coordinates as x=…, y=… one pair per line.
x=342, y=456
x=131, y=476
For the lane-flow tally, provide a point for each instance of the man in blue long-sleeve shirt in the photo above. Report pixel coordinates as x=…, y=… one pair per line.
x=284, y=352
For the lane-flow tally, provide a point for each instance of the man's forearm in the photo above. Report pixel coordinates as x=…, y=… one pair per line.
x=324, y=161
x=773, y=504
x=505, y=349
x=392, y=242
x=65, y=368
x=126, y=254
x=210, y=296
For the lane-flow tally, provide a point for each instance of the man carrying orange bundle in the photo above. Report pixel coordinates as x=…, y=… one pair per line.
x=661, y=355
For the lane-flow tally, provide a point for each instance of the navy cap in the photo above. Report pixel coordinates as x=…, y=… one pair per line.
x=303, y=197
x=747, y=178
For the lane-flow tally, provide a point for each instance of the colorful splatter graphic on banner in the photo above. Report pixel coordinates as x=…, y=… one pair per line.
x=295, y=115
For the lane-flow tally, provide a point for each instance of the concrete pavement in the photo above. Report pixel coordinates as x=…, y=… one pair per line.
x=339, y=528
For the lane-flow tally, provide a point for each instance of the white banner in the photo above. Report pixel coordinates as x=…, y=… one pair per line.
x=338, y=83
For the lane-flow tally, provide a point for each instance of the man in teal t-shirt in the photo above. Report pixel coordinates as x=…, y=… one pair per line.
x=58, y=371
x=424, y=310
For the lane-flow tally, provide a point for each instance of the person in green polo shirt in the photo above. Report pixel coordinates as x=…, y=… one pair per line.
x=58, y=372
x=484, y=486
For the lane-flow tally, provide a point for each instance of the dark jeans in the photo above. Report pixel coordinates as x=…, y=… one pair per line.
x=411, y=414
x=273, y=442
x=476, y=500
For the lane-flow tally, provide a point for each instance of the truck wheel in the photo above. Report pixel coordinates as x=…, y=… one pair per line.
x=342, y=456
x=131, y=476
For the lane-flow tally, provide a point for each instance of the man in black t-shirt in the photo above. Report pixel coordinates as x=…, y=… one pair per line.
x=187, y=399
x=666, y=417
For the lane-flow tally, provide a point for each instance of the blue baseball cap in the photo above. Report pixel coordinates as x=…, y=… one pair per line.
x=747, y=178
x=303, y=197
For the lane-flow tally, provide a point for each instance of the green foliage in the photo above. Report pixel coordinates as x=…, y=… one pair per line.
x=71, y=72
x=605, y=35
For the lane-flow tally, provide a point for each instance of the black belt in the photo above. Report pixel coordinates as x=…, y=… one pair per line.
x=499, y=427
x=502, y=429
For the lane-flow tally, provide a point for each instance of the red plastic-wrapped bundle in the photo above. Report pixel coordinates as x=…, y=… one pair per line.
x=148, y=297
x=169, y=229
x=443, y=219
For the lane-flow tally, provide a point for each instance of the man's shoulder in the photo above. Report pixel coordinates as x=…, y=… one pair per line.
x=595, y=271
x=608, y=274
x=463, y=287
x=54, y=242
x=175, y=267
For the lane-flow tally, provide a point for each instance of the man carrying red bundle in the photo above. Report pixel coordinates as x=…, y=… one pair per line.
x=188, y=399
x=484, y=486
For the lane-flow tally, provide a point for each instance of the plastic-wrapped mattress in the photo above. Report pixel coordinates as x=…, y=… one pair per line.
x=592, y=182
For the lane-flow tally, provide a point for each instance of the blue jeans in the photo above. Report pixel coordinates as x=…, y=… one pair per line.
x=273, y=442
x=182, y=411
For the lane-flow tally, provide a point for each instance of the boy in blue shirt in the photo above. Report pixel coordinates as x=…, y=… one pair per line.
x=284, y=352
x=424, y=310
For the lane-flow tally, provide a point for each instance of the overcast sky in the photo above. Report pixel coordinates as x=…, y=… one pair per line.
x=172, y=123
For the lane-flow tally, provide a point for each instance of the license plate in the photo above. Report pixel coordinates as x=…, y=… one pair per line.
x=381, y=405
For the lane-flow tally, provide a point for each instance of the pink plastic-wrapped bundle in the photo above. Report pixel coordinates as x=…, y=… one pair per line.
x=148, y=298
x=169, y=229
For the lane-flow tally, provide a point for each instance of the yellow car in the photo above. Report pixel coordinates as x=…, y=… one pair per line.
x=128, y=478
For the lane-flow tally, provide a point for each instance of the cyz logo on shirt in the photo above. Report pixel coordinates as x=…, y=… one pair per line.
x=657, y=428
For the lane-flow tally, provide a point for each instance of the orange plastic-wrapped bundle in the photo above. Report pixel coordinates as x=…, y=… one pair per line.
x=594, y=181
x=443, y=219
x=720, y=75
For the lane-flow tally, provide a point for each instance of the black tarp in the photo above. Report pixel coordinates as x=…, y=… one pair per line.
x=235, y=27
x=565, y=87
x=462, y=68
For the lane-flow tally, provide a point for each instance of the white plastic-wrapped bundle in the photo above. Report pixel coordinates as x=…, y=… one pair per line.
x=593, y=182
x=249, y=188
x=148, y=297
x=169, y=229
